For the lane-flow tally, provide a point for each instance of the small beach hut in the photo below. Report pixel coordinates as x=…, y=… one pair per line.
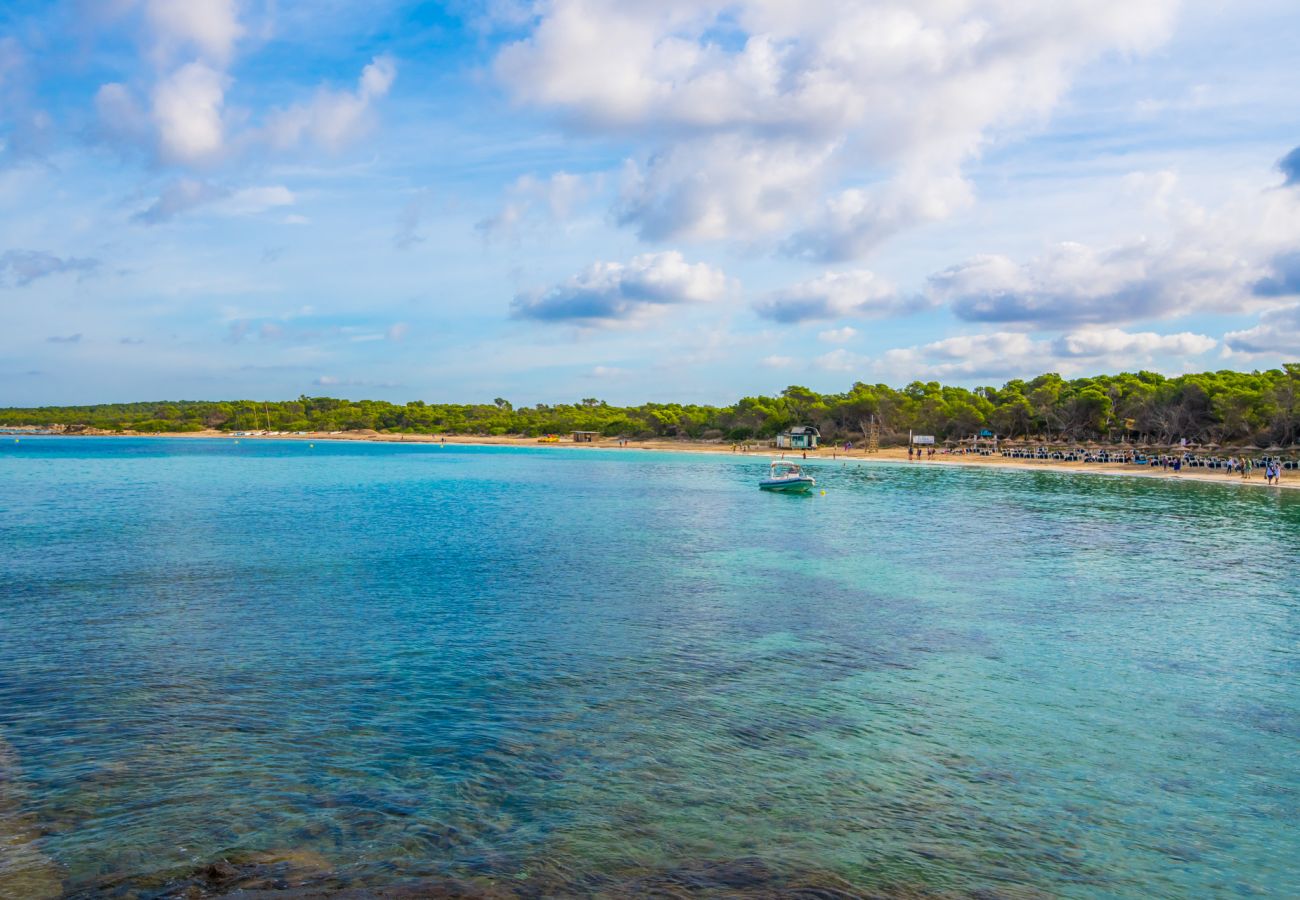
x=584, y=437
x=801, y=437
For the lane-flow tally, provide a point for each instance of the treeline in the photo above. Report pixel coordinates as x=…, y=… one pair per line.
x=1221, y=407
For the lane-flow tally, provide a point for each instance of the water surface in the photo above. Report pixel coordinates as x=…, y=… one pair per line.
x=392, y=662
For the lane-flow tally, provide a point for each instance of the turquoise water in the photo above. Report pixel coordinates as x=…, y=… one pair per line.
x=571, y=669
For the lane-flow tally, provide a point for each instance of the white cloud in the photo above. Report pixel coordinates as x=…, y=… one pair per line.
x=186, y=122
x=1073, y=284
x=1008, y=354
x=187, y=111
x=333, y=118
x=838, y=335
x=208, y=27
x=777, y=362
x=835, y=295
x=722, y=186
x=855, y=222
x=612, y=292
x=1230, y=259
x=759, y=107
x=1114, y=343
x=1278, y=331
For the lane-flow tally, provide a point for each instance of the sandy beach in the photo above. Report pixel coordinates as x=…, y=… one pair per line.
x=896, y=455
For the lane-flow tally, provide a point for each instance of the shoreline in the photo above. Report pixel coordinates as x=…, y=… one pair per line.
x=893, y=455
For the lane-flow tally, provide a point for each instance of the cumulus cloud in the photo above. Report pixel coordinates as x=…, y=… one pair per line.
x=714, y=188
x=184, y=120
x=777, y=362
x=835, y=295
x=1278, y=331
x=187, y=110
x=19, y=268
x=609, y=292
x=1228, y=259
x=1073, y=284
x=206, y=27
x=806, y=99
x=1113, y=342
x=1005, y=354
x=333, y=118
x=853, y=223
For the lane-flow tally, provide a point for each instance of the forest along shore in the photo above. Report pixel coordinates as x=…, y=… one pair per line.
x=1290, y=479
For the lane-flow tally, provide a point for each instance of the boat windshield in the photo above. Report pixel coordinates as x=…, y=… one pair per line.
x=784, y=468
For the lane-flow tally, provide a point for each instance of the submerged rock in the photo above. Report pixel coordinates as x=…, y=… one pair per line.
x=299, y=875
x=25, y=872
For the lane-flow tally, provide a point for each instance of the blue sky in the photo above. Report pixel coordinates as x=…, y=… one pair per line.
x=686, y=201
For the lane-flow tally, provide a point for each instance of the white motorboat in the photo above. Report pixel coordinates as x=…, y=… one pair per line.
x=787, y=477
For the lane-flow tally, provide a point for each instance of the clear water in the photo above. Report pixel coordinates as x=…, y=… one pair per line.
x=403, y=661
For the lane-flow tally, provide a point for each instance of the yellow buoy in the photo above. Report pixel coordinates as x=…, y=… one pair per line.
x=823, y=493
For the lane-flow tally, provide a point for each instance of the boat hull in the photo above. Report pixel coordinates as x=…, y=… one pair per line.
x=788, y=485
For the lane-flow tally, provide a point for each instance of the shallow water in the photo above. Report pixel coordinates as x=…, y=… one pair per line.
x=395, y=662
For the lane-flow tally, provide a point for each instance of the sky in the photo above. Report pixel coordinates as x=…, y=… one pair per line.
x=669, y=201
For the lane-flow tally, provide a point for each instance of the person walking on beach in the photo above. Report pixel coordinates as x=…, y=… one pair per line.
x=1246, y=466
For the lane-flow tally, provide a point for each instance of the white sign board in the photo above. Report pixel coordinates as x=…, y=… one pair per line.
x=922, y=439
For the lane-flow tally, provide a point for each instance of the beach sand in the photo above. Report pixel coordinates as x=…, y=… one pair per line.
x=898, y=455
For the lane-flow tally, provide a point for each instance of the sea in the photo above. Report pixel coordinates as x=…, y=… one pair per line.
x=343, y=666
